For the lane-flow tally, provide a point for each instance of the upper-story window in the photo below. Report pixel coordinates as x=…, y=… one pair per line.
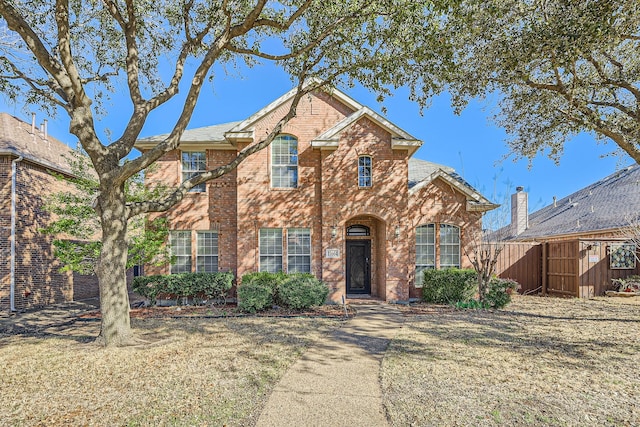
x=284, y=162
x=194, y=163
x=364, y=171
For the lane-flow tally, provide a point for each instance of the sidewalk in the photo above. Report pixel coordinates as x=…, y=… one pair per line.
x=336, y=382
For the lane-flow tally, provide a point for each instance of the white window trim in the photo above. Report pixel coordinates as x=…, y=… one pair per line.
x=190, y=255
x=260, y=255
x=309, y=254
x=440, y=226
x=200, y=188
x=217, y=254
x=274, y=165
x=370, y=171
x=418, y=284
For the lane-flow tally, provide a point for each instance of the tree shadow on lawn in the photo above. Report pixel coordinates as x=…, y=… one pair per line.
x=571, y=340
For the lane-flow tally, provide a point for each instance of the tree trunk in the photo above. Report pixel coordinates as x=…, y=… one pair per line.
x=111, y=269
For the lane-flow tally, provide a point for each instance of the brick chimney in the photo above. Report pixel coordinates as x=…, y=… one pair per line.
x=519, y=211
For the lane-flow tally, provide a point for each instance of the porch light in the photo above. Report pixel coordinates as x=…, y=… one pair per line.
x=397, y=232
x=334, y=232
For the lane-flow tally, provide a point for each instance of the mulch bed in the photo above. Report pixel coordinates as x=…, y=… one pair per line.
x=227, y=310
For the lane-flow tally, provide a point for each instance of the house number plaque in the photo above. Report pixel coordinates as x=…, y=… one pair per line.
x=332, y=253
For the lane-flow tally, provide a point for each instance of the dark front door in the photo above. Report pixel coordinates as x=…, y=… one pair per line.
x=358, y=266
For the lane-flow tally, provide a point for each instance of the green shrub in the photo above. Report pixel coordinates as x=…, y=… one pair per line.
x=208, y=286
x=499, y=292
x=448, y=286
x=255, y=296
x=300, y=291
x=260, y=291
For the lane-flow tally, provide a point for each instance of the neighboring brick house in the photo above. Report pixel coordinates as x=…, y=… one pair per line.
x=337, y=194
x=29, y=272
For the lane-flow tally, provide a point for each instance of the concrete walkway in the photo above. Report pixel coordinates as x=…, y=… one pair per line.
x=336, y=382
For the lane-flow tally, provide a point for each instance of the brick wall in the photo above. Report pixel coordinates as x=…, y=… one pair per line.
x=437, y=203
x=38, y=281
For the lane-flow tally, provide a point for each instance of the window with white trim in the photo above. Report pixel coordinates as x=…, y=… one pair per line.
x=207, y=251
x=449, y=246
x=425, y=250
x=284, y=162
x=298, y=250
x=270, y=246
x=364, y=171
x=194, y=163
x=180, y=244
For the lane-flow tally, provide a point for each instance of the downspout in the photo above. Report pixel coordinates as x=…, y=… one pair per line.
x=12, y=289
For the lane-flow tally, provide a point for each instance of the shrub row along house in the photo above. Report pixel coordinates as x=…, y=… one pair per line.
x=29, y=272
x=336, y=194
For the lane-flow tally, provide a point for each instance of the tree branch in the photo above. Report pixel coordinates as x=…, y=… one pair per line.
x=183, y=189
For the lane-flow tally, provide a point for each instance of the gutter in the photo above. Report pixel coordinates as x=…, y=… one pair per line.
x=12, y=285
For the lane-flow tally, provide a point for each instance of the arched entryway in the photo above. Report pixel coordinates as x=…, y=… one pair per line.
x=365, y=256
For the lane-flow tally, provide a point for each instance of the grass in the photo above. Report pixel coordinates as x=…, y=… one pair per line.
x=541, y=361
x=200, y=372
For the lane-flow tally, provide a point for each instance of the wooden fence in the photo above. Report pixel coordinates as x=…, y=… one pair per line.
x=571, y=268
x=521, y=262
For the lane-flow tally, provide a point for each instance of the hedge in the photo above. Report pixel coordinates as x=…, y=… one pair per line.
x=260, y=291
x=448, y=286
x=206, y=286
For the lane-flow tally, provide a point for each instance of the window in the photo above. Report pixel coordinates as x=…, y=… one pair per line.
x=364, y=171
x=449, y=246
x=425, y=250
x=207, y=252
x=180, y=242
x=194, y=163
x=358, y=230
x=284, y=162
x=298, y=250
x=270, y=249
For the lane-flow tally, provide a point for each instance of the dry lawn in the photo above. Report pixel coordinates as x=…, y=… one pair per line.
x=199, y=372
x=542, y=361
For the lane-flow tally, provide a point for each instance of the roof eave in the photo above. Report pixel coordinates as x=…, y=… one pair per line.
x=325, y=144
x=412, y=145
x=45, y=164
x=473, y=206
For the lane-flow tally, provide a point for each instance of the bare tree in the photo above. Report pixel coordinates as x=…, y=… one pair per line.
x=78, y=52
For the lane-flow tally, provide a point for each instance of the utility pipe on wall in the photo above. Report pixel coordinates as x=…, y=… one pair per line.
x=12, y=285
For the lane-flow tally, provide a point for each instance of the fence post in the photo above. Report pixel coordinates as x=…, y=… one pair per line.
x=544, y=268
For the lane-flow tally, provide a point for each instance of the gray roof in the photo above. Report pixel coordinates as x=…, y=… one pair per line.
x=419, y=170
x=213, y=133
x=16, y=139
x=605, y=205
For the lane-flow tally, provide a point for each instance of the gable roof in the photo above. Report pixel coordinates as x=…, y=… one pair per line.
x=422, y=173
x=244, y=129
x=399, y=138
x=607, y=204
x=17, y=139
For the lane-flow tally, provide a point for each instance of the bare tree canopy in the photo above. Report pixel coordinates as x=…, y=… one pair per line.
x=70, y=55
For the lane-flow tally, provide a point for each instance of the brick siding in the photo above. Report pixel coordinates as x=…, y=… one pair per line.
x=327, y=196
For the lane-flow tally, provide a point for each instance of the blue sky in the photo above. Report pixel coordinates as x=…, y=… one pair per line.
x=470, y=143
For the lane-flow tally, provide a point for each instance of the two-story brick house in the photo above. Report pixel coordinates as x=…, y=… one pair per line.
x=337, y=194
